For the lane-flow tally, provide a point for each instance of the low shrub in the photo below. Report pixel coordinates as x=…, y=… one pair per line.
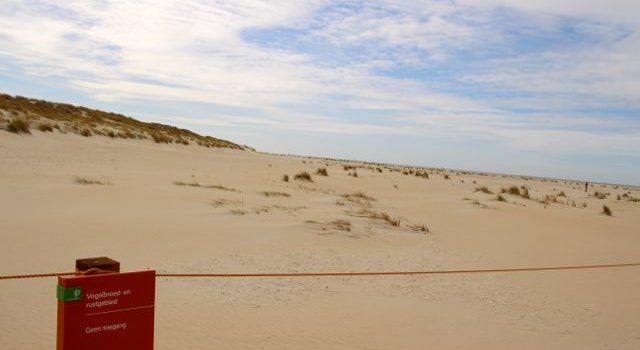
x=18, y=126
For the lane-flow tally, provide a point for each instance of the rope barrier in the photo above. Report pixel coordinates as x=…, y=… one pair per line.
x=338, y=274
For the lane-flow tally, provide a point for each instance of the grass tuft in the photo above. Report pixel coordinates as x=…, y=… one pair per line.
x=303, y=176
x=88, y=181
x=484, y=189
x=420, y=228
x=45, y=127
x=275, y=194
x=322, y=172
x=342, y=225
x=606, y=210
x=18, y=126
x=285, y=178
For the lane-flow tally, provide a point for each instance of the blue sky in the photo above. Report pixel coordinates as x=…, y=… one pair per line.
x=547, y=88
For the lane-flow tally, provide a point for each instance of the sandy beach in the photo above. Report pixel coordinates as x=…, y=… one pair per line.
x=190, y=209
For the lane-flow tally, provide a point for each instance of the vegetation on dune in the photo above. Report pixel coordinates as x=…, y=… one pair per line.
x=606, y=210
x=303, y=176
x=88, y=181
x=87, y=122
x=18, y=126
x=483, y=189
x=275, y=194
x=322, y=172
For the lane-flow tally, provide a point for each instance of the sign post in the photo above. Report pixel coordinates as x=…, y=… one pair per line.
x=106, y=311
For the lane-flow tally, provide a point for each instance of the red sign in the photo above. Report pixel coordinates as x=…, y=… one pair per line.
x=111, y=311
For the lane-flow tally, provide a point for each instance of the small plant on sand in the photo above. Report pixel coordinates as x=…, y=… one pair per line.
x=606, y=210
x=285, y=178
x=190, y=184
x=483, y=189
x=349, y=167
x=45, y=127
x=446, y=177
x=419, y=228
x=422, y=174
x=500, y=198
x=303, y=176
x=513, y=190
x=354, y=174
x=160, y=138
x=85, y=132
x=600, y=195
x=378, y=216
x=322, y=172
x=359, y=195
x=275, y=194
x=18, y=126
x=88, y=181
x=342, y=225
x=562, y=194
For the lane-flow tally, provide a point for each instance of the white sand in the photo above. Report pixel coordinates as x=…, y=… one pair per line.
x=145, y=221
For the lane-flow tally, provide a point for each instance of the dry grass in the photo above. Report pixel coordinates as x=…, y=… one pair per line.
x=500, y=198
x=600, y=195
x=190, y=184
x=78, y=119
x=303, y=176
x=275, y=194
x=196, y=184
x=606, y=210
x=358, y=195
x=342, y=225
x=285, y=178
x=419, y=228
x=18, y=126
x=379, y=216
x=322, y=172
x=45, y=127
x=88, y=181
x=483, y=189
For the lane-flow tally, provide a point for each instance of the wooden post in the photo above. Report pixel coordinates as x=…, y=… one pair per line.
x=101, y=263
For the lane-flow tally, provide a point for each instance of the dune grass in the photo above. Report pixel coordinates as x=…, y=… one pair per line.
x=77, y=119
x=88, y=181
x=606, y=210
x=419, y=228
x=18, y=126
x=285, y=178
x=303, y=176
x=483, y=189
x=322, y=172
x=384, y=216
x=342, y=225
x=500, y=198
x=275, y=194
x=45, y=127
x=196, y=184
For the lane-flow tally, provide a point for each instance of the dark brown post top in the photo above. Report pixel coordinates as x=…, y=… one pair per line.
x=102, y=263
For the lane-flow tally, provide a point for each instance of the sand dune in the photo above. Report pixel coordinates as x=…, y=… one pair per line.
x=180, y=208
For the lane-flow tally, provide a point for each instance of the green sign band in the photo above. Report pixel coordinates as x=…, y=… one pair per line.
x=69, y=293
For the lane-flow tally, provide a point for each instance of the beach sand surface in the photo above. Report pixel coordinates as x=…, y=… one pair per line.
x=226, y=224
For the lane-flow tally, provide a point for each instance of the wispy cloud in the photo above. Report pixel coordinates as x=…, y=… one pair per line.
x=528, y=75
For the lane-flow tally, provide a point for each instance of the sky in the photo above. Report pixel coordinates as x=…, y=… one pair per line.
x=536, y=87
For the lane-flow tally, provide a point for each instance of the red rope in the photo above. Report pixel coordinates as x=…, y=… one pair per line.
x=387, y=273
x=327, y=274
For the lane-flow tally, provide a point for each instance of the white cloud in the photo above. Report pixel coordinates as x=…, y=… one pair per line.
x=194, y=51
